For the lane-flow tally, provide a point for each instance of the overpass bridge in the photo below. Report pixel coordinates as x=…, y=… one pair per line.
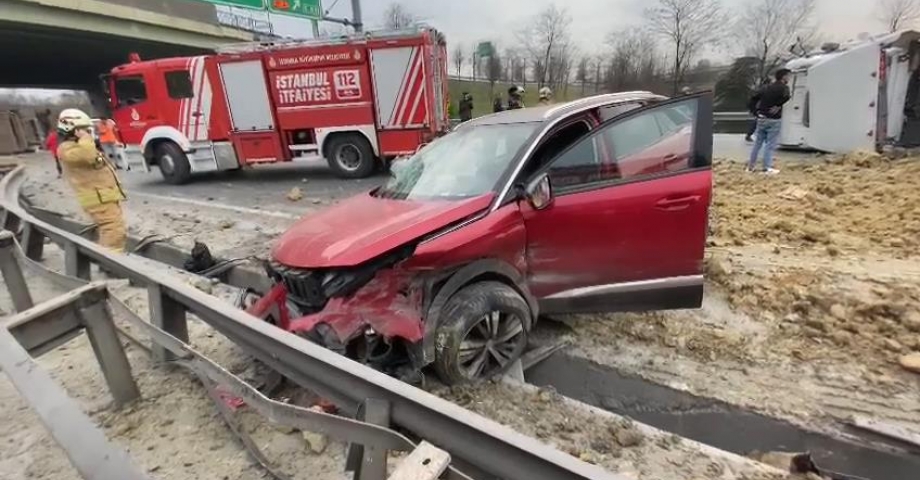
x=69, y=43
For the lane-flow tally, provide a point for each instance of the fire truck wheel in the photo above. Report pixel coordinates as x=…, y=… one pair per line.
x=173, y=163
x=350, y=156
x=482, y=333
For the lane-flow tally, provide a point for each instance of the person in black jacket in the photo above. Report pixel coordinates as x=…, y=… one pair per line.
x=497, y=104
x=752, y=125
x=767, y=105
x=466, y=107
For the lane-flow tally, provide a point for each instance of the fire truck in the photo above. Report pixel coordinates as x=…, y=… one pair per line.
x=355, y=101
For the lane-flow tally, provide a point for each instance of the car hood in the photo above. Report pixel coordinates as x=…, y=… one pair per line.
x=365, y=227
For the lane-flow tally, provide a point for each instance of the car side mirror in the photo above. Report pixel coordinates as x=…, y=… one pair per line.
x=539, y=192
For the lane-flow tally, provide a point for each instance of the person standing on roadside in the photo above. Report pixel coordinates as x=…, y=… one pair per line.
x=752, y=125
x=767, y=105
x=108, y=139
x=546, y=96
x=92, y=177
x=515, y=97
x=466, y=107
x=497, y=104
x=51, y=144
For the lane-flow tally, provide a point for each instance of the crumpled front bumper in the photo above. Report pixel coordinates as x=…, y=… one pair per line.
x=388, y=304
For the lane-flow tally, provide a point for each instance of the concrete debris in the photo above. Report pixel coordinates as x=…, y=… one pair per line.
x=910, y=362
x=316, y=441
x=204, y=284
x=295, y=195
x=226, y=224
x=793, y=193
x=629, y=437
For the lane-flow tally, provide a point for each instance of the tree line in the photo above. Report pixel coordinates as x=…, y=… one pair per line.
x=663, y=53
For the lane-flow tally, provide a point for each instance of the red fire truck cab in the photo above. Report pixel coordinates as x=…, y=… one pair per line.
x=355, y=101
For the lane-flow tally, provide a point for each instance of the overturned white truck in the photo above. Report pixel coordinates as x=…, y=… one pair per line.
x=861, y=95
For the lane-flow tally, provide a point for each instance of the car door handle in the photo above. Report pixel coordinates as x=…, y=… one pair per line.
x=676, y=203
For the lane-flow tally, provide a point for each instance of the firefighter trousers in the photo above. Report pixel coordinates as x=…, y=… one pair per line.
x=110, y=225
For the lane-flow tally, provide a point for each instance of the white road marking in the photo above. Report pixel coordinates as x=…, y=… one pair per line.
x=223, y=206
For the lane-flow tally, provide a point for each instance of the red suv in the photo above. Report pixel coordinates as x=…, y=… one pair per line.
x=595, y=205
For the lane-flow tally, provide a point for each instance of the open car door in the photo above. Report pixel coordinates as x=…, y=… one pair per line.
x=626, y=226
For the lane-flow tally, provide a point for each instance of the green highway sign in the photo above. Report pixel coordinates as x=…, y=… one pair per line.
x=251, y=4
x=312, y=9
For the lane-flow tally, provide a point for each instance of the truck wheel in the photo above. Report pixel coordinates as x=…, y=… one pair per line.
x=482, y=333
x=350, y=156
x=173, y=163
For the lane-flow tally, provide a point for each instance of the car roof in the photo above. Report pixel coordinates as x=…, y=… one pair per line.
x=553, y=112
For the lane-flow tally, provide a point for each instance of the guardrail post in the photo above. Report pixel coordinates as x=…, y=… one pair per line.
x=75, y=264
x=167, y=315
x=103, y=337
x=370, y=463
x=33, y=241
x=10, y=221
x=12, y=273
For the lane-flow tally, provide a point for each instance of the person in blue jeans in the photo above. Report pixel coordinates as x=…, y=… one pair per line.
x=767, y=105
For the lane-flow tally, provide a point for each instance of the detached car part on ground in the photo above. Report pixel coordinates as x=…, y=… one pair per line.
x=591, y=206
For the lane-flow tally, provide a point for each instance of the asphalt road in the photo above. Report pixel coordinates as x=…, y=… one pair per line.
x=266, y=186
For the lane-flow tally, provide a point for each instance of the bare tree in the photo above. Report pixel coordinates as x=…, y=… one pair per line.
x=493, y=70
x=688, y=26
x=598, y=65
x=635, y=63
x=397, y=17
x=548, y=44
x=581, y=75
x=897, y=14
x=459, y=58
x=766, y=29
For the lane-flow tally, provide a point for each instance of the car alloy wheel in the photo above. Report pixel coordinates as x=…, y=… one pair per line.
x=495, y=341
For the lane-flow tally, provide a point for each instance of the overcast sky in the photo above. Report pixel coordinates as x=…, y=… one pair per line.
x=469, y=21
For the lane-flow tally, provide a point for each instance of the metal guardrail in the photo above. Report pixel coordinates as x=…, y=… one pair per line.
x=480, y=447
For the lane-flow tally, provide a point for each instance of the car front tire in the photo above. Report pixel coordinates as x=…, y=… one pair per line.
x=483, y=332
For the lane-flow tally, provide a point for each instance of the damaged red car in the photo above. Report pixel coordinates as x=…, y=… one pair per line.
x=596, y=205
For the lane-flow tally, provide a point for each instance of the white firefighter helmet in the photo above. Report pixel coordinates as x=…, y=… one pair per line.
x=546, y=92
x=72, y=119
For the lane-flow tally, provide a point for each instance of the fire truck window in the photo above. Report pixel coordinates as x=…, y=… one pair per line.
x=179, y=85
x=130, y=90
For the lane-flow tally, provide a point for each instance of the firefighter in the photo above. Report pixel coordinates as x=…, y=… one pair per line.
x=466, y=107
x=515, y=97
x=546, y=96
x=92, y=177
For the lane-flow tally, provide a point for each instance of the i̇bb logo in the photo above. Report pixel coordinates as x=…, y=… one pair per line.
x=348, y=84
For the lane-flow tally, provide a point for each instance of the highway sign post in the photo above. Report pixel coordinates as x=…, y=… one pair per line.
x=312, y=9
x=250, y=4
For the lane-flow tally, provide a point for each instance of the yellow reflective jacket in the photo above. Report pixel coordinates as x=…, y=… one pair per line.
x=90, y=174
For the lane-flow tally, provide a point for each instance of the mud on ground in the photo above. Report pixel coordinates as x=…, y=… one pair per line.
x=812, y=297
x=619, y=445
